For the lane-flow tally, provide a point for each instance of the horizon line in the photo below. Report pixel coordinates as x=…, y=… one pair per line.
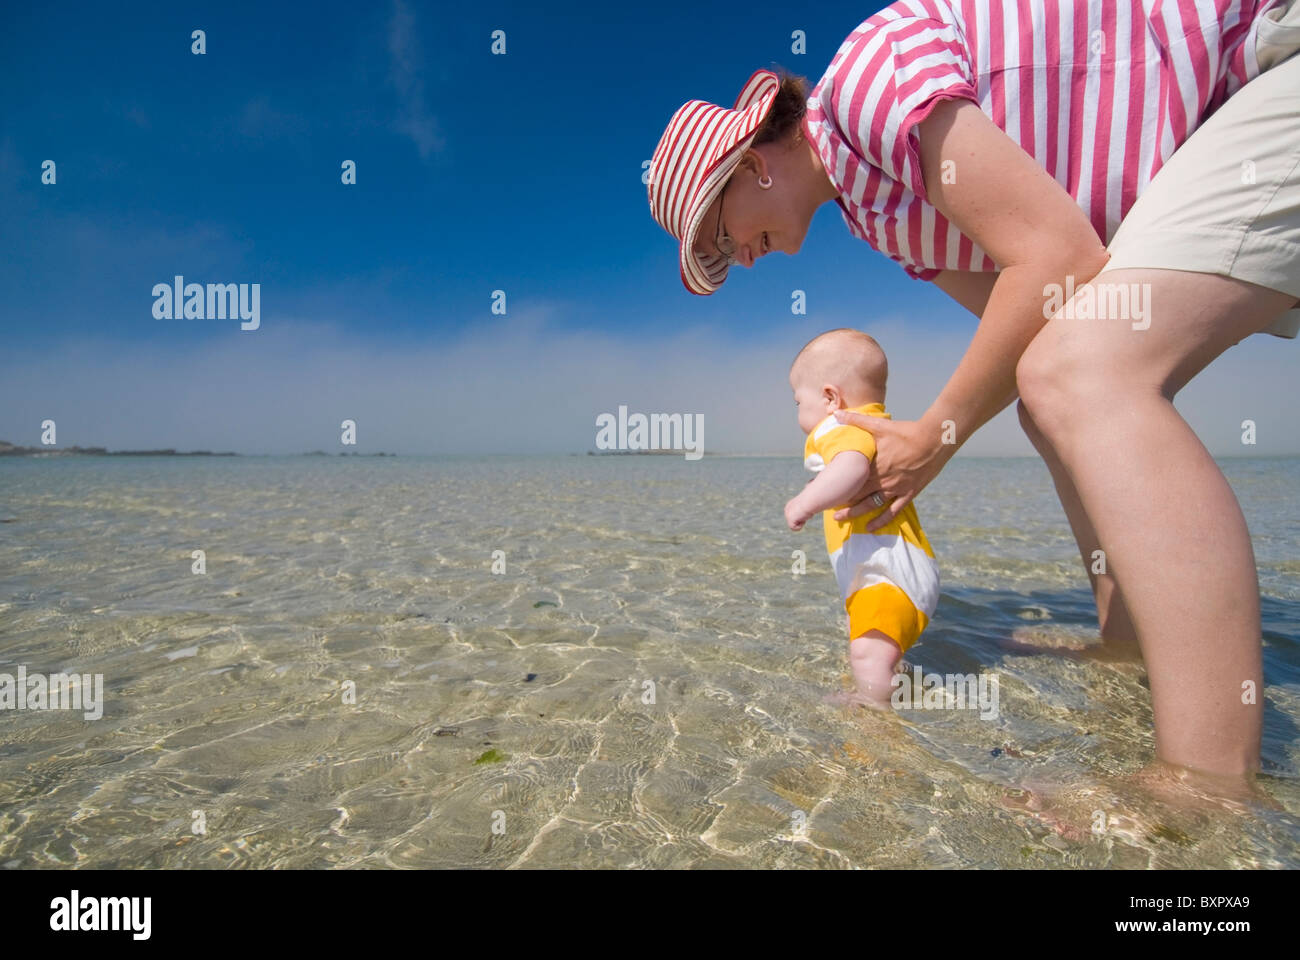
x=15, y=451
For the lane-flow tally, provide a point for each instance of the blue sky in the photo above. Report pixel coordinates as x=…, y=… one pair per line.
x=474, y=173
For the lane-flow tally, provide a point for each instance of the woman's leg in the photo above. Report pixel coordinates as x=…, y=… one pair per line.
x=1112, y=614
x=1100, y=392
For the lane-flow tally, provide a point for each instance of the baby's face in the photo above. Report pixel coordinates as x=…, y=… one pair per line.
x=814, y=406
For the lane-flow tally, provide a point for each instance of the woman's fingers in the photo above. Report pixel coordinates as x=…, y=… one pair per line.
x=881, y=428
x=873, y=425
x=868, y=504
x=895, y=508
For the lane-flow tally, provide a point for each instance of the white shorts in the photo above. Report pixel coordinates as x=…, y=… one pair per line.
x=1228, y=200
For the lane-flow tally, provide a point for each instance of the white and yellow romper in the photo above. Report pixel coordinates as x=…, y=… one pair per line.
x=889, y=578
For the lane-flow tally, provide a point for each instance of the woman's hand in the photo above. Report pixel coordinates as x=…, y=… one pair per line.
x=908, y=456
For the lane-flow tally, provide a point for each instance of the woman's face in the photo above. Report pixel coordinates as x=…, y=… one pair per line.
x=757, y=220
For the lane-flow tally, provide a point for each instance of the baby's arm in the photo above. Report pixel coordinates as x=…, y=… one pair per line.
x=834, y=486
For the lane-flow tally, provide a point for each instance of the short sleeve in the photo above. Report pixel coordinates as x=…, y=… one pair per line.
x=833, y=438
x=890, y=76
x=921, y=273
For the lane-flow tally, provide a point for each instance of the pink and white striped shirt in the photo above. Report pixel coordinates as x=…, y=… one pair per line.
x=1099, y=92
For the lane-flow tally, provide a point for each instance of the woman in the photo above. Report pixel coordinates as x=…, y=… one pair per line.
x=997, y=161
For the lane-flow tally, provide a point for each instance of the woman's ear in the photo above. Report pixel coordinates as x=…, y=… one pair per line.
x=754, y=161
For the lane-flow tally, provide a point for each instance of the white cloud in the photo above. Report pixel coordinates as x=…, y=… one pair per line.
x=405, y=64
x=520, y=384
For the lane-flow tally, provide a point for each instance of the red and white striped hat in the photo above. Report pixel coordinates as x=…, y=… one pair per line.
x=695, y=157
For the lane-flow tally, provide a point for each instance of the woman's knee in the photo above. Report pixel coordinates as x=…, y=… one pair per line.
x=1048, y=384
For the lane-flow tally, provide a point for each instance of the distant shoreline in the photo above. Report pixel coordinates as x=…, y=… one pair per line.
x=10, y=450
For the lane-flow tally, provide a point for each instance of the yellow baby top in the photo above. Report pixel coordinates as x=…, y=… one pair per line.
x=889, y=578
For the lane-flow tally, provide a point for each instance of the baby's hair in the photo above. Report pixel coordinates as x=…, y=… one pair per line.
x=847, y=357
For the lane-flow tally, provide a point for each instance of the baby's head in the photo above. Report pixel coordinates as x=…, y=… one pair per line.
x=840, y=368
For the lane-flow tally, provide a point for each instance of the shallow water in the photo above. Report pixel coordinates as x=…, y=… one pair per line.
x=642, y=687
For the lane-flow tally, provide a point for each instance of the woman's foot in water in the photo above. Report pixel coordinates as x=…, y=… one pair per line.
x=1156, y=803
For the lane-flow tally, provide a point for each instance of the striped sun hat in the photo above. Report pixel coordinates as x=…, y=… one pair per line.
x=696, y=155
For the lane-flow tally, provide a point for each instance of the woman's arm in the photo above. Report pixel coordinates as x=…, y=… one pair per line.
x=998, y=195
x=1037, y=234
x=972, y=291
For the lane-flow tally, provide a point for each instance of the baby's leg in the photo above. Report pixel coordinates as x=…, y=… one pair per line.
x=873, y=657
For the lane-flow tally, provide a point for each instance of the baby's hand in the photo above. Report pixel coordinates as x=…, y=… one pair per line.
x=795, y=515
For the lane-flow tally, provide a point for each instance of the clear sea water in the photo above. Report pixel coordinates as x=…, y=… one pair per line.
x=643, y=686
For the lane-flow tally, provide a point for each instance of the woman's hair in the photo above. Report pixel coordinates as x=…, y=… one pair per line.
x=787, y=109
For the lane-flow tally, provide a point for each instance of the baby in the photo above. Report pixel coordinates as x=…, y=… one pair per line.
x=888, y=578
